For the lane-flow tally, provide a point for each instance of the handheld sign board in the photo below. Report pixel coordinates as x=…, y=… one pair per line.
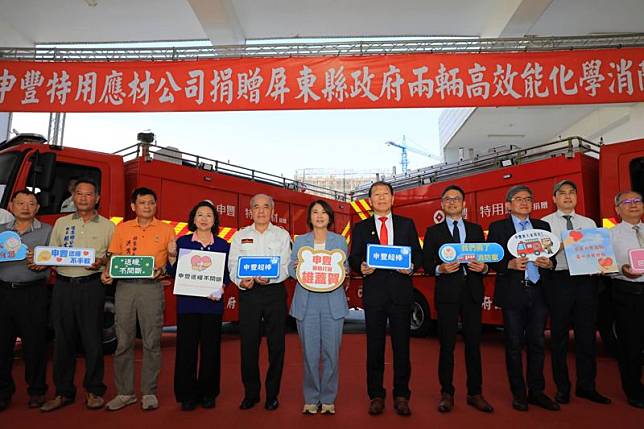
x=389, y=257
x=132, y=267
x=320, y=270
x=64, y=256
x=533, y=243
x=267, y=267
x=466, y=252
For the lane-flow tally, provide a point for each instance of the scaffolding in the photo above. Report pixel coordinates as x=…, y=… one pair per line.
x=384, y=46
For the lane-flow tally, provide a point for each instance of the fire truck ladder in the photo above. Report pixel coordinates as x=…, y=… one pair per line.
x=329, y=47
x=497, y=159
x=150, y=152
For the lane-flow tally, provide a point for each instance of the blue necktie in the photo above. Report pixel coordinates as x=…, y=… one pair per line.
x=532, y=271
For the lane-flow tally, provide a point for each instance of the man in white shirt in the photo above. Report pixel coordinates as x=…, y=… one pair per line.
x=261, y=298
x=628, y=295
x=5, y=216
x=572, y=299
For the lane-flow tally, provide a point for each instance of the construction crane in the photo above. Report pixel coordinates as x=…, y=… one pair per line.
x=404, y=147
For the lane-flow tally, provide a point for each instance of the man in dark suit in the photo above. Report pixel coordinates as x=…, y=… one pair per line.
x=459, y=292
x=519, y=292
x=386, y=295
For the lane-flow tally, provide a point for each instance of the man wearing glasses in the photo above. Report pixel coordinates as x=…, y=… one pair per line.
x=459, y=293
x=628, y=295
x=519, y=292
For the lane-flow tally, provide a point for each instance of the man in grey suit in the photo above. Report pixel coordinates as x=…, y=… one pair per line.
x=319, y=315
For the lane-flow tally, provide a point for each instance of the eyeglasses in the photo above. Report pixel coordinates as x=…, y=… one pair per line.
x=452, y=199
x=631, y=201
x=522, y=200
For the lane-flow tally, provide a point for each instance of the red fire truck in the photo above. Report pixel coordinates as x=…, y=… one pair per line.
x=180, y=179
x=600, y=171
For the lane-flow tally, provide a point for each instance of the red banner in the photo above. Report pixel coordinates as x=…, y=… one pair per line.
x=382, y=81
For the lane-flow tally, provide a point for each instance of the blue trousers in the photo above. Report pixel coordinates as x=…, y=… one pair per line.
x=321, y=336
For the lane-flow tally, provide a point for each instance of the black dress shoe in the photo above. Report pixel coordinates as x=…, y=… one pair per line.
x=271, y=404
x=4, y=404
x=542, y=400
x=208, y=402
x=247, y=403
x=189, y=405
x=637, y=403
x=594, y=396
x=519, y=404
x=562, y=398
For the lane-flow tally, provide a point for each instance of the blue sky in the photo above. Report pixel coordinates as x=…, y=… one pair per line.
x=277, y=142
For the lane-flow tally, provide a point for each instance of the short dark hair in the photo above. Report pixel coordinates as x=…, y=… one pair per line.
x=140, y=192
x=381, y=183
x=515, y=190
x=87, y=181
x=24, y=191
x=453, y=188
x=191, y=217
x=326, y=207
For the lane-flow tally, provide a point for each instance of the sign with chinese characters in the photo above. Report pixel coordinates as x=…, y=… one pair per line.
x=11, y=247
x=200, y=273
x=589, y=251
x=132, y=267
x=320, y=270
x=326, y=82
x=533, y=243
x=267, y=267
x=466, y=252
x=64, y=256
x=389, y=257
x=636, y=259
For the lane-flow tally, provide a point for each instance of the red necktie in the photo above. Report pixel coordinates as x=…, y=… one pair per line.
x=384, y=236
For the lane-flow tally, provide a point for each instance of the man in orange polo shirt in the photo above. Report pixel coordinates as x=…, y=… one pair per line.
x=140, y=299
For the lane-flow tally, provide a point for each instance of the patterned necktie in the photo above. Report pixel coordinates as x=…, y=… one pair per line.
x=568, y=218
x=456, y=233
x=639, y=234
x=384, y=234
x=532, y=271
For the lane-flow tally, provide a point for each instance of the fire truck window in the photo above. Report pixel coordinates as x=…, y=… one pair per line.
x=60, y=195
x=8, y=167
x=636, y=168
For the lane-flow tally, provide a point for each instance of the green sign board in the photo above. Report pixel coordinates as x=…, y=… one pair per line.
x=132, y=267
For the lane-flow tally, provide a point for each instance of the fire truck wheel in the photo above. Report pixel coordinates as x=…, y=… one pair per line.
x=421, y=322
x=109, y=330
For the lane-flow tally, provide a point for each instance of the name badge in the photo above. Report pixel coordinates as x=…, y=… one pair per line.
x=64, y=256
x=267, y=267
x=466, y=252
x=132, y=267
x=389, y=257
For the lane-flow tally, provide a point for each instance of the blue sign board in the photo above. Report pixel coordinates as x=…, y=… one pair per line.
x=11, y=248
x=466, y=252
x=267, y=267
x=389, y=257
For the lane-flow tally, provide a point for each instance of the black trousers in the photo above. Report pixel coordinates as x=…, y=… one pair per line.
x=23, y=313
x=448, y=315
x=524, y=324
x=376, y=317
x=198, y=345
x=573, y=299
x=77, y=313
x=629, y=318
x=265, y=304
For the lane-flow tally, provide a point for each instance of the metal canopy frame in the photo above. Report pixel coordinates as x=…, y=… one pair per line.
x=385, y=46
